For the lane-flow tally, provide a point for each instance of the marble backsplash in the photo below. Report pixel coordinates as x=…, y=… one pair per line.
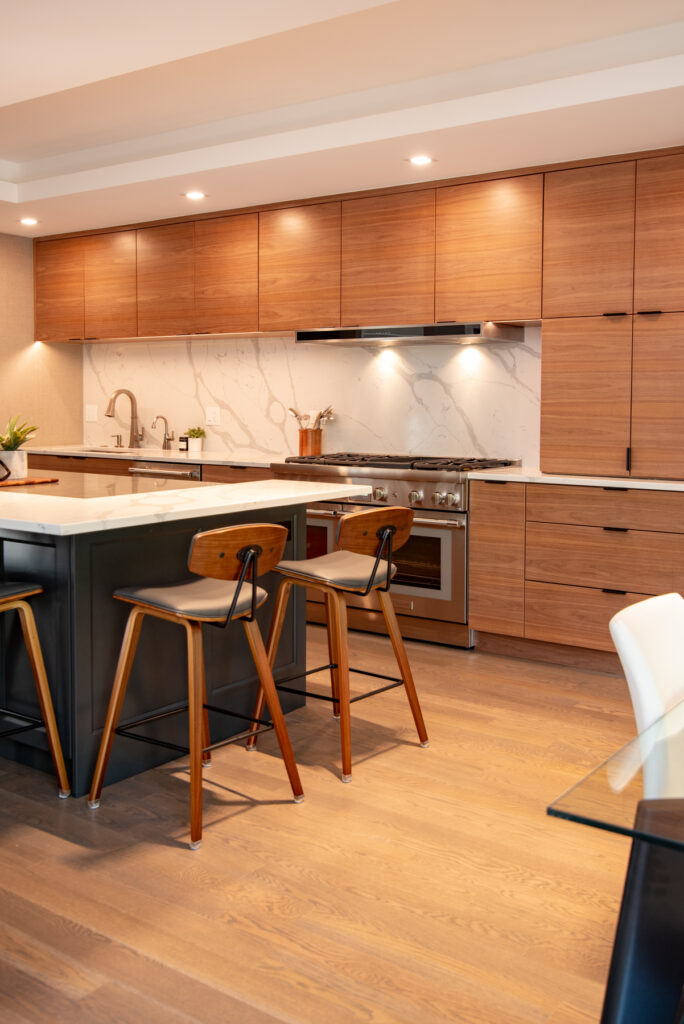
x=431, y=399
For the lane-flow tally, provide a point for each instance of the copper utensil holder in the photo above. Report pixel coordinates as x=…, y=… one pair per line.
x=310, y=441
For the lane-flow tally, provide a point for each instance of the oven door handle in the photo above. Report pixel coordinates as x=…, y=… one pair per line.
x=316, y=513
x=457, y=524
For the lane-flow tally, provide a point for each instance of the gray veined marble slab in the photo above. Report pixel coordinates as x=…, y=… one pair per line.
x=109, y=503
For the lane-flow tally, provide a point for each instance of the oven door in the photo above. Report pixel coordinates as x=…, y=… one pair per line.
x=430, y=581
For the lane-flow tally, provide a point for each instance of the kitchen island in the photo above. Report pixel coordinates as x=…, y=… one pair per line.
x=86, y=535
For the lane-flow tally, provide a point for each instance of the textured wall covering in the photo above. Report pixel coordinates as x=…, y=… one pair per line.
x=42, y=384
x=442, y=400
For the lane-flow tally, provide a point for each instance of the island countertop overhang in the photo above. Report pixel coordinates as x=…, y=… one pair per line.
x=34, y=510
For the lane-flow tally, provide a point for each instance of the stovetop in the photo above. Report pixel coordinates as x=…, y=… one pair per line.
x=435, y=463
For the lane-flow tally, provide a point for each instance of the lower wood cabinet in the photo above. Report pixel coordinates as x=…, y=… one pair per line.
x=555, y=562
x=496, y=564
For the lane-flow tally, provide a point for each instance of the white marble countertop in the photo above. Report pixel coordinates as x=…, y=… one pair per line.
x=533, y=475
x=145, y=454
x=108, y=503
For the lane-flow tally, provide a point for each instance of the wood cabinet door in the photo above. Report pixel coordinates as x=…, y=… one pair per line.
x=110, y=308
x=166, y=279
x=388, y=259
x=588, y=264
x=299, y=267
x=58, y=284
x=489, y=250
x=227, y=274
x=585, y=395
x=659, y=234
x=496, y=562
x=658, y=396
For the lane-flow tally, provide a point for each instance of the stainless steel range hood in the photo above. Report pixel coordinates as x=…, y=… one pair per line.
x=421, y=334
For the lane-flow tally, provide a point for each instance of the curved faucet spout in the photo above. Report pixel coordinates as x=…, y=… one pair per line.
x=136, y=431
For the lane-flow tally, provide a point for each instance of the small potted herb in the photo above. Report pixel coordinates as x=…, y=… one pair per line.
x=14, y=461
x=195, y=437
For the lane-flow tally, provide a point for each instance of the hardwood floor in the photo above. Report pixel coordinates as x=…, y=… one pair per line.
x=433, y=888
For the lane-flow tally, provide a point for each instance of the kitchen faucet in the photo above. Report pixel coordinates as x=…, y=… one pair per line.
x=168, y=438
x=136, y=431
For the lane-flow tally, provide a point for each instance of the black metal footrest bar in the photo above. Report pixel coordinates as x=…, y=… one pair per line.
x=394, y=682
x=125, y=730
x=28, y=723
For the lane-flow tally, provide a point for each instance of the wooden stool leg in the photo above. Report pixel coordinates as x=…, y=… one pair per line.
x=332, y=655
x=263, y=668
x=273, y=639
x=28, y=626
x=123, y=670
x=196, y=728
x=403, y=663
x=338, y=605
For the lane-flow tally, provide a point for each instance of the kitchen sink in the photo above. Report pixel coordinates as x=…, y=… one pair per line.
x=99, y=448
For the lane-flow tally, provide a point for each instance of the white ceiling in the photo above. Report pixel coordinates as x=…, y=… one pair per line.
x=110, y=111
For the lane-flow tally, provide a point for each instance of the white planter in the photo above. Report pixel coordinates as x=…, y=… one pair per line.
x=16, y=462
x=195, y=444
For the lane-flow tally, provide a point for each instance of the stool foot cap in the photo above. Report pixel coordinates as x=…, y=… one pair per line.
x=298, y=799
x=207, y=764
x=195, y=844
x=346, y=778
x=93, y=804
x=64, y=793
x=251, y=749
x=336, y=717
x=426, y=743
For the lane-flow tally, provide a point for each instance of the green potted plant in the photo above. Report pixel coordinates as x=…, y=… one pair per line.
x=15, y=462
x=195, y=436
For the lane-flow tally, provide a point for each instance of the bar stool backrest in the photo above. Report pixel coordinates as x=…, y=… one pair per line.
x=361, y=532
x=221, y=553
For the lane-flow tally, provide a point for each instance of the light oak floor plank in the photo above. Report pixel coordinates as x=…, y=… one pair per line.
x=432, y=888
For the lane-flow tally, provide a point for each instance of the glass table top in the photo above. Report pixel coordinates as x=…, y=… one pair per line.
x=639, y=790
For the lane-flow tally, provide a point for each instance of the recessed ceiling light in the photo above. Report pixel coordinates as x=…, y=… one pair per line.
x=421, y=160
x=28, y=221
x=194, y=194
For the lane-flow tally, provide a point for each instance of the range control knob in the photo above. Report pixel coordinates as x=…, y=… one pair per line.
x=451, y=499
x=415, y=496
x=379, y=494
x=439, y=498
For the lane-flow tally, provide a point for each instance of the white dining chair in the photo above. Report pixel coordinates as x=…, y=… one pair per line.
x=649, y=640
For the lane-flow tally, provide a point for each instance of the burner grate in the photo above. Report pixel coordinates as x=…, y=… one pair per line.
x=417, y=462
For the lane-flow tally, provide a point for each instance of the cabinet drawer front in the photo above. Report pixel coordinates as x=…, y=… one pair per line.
x=606, y=506
x=496, y=557
x=588, y=556
x=577, y=616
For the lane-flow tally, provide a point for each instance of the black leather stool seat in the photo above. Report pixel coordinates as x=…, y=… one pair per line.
x=17, y=590
x=204, y=598
x=344, y=570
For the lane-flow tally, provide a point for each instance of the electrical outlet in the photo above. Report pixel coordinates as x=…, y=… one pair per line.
x=91, y=414
x=213, y=417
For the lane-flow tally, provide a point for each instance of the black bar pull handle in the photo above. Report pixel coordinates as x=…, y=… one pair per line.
x=649, y=312
x=608, y=590
x=614, y=314
x=616, y=529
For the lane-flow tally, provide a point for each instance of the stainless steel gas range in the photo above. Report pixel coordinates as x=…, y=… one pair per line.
x=429, y=590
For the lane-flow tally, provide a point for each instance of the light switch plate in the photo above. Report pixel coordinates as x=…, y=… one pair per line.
x=213, y=418
x=91, y=414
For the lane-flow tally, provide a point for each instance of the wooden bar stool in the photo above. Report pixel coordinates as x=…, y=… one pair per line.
x=224, y=561
x=12, y=596
x=365, y=542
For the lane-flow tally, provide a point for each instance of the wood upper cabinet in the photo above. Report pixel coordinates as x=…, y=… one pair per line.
x=659, y=234
x=588, y=264
x=388, y=259
x=658, y=396
x=585, y=395
x=166, y=279
x=58, y=281
x=489, y=250
x=496, y=561
x=226, y=274
x=110, y=309
x=299, y=267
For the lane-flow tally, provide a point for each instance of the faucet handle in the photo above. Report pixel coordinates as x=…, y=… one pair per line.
x=118, y=443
